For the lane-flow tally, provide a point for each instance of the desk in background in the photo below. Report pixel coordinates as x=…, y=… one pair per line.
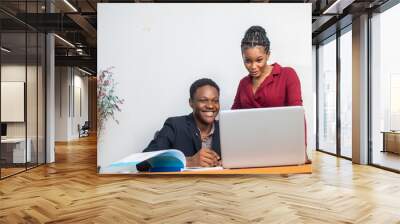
x=391, y=141
x=13, y=150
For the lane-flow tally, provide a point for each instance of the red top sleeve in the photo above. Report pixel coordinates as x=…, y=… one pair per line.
x=293, y=89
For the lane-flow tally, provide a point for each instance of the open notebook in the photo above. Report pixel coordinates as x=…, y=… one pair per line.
x=170, y=160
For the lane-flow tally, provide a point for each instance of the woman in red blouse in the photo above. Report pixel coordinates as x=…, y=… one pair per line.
x=265, y=85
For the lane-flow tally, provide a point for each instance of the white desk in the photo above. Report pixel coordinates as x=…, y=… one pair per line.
x=18, y=149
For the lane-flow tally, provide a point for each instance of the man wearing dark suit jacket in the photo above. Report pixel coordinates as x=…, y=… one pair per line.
x=196, y=134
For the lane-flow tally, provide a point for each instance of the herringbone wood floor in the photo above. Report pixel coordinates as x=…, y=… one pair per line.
x=70, y=191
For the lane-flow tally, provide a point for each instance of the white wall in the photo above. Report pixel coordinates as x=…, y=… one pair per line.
x=158, y=50
x=68, y=82
x=61, y=103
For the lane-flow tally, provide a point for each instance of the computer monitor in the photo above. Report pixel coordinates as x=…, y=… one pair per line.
x=3, y=129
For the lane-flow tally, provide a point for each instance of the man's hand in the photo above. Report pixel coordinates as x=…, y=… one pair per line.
x=205, y=157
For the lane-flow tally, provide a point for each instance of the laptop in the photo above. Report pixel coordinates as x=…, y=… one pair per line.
x=262, y=137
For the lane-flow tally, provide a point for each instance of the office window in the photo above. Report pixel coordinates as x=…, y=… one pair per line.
x=327, y=96
x=385, y=88
x=395, y=101
x=346, y=94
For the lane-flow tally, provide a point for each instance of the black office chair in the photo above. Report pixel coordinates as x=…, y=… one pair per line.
x=84, y=130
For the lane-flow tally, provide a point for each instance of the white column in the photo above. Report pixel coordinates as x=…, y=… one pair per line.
x=50, y=92
x=360, y=90
x=50, y=100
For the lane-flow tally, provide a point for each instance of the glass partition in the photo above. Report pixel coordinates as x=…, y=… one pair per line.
x=22, y=77
x=41, y=107
x=31, y=100
x=13, y=109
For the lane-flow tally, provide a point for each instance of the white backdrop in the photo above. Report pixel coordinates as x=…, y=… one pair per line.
x=158, y=50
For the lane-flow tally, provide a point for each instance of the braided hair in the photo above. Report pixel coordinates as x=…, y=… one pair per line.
x=255, y=36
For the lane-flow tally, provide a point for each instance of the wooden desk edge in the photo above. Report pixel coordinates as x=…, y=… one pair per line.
x=299, y=169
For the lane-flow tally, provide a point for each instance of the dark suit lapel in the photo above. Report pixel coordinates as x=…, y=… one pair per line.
x=193, y=132
x=216, y=145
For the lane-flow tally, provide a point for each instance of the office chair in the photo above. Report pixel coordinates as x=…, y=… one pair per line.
x=84, y=130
